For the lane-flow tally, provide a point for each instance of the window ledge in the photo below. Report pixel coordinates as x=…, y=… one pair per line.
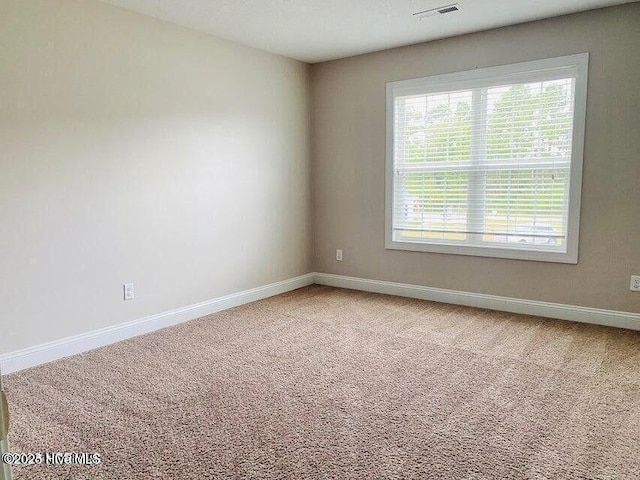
x=570, y=257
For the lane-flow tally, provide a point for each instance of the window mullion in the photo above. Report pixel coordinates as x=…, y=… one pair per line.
x=475, y=199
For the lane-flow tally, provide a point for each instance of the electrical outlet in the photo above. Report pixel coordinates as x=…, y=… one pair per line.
x=635, y=283
x=128, y=291
x=339, y=255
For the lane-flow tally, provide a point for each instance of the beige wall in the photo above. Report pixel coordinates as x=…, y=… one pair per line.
x=132, y=150
x=348, y=162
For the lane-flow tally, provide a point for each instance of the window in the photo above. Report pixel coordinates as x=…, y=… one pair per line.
x=488, y=162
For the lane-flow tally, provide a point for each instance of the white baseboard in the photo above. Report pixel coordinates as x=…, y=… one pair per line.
x=574, y=313
x=48, y=352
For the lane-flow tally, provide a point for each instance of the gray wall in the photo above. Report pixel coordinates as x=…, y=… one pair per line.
x=348, y=126
x=133, y=150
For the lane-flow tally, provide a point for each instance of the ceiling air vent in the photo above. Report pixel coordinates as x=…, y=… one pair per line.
x=454, y=7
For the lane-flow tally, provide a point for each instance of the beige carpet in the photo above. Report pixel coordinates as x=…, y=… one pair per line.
x=329, y=383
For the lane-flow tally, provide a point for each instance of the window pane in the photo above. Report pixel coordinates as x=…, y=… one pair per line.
x=526, y=207
x=530, y=121
x=433, y=128
x=431, y=205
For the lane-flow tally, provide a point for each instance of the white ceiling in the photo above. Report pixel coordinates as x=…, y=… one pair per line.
x=318, y=30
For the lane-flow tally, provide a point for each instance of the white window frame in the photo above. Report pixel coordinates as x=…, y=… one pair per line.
x=519, y=72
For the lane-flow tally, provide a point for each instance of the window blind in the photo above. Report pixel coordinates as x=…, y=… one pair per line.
x=486, y=163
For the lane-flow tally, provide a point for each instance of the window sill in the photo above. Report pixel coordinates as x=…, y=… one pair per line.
x=570, y=257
